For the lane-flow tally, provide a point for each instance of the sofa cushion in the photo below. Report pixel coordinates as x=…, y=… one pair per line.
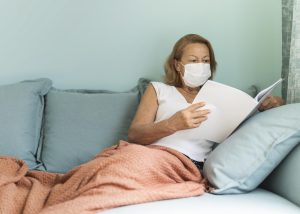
x=256, y=202
x=80, y=123
x=244, y=160
x=21, y=113
x=284, y=180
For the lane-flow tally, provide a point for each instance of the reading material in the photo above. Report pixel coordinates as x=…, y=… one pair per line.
x=229, y=108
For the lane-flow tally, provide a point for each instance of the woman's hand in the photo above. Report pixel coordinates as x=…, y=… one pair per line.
x=271, y=102
x=190, y=117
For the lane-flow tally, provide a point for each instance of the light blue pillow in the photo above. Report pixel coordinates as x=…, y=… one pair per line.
x=21, y=113
x=248, y=156
x=80, y=123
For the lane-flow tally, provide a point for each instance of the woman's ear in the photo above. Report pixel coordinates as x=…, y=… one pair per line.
x=177, y=65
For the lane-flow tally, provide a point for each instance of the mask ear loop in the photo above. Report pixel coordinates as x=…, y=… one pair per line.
x=181, y=73
x=177, y=69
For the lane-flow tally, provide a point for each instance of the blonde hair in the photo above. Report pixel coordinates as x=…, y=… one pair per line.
x=172, y=77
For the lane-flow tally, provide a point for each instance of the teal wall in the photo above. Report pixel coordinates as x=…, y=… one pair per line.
x=111, y=43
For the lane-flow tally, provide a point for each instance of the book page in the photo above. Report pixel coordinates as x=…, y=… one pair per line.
x=229, y=107
x=264, y=93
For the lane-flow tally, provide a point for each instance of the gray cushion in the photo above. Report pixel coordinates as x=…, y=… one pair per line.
x=285, y=179
x=80, y=123
x=21, y=113
x=249, y=155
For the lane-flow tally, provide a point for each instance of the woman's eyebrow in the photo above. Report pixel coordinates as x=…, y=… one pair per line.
x=193, y=56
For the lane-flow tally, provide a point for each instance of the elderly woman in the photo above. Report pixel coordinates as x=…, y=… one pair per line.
x=131, y=173
x=167, y=108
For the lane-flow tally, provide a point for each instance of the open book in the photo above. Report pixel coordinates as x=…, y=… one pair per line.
x=229, y=108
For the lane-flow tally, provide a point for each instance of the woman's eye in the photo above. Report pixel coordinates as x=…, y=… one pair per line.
x=206, y=61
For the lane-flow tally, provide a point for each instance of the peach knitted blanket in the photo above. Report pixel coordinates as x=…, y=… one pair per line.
x=120, y=175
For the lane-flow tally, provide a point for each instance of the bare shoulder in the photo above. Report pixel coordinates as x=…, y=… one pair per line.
x=147, y=108
x=150, y=94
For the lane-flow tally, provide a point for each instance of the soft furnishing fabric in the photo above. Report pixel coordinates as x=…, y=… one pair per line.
x=80, y=123
x=120, y=175
x=250, y=154
x=21, y=115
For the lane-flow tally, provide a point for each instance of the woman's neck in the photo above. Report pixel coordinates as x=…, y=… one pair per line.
x=190, y=90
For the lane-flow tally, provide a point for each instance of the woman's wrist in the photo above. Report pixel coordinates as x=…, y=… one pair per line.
x=171, y=129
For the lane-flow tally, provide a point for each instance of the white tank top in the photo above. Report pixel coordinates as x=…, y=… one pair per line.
x=188, y=141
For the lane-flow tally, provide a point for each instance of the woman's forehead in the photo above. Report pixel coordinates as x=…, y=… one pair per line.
x=196, y=49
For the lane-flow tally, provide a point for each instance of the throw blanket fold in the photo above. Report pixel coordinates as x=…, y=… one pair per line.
x=120, y=175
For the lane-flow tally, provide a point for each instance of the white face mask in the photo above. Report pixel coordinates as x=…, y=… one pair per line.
x=196, y=74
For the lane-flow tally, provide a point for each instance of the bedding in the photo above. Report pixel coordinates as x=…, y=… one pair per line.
x=163, y=173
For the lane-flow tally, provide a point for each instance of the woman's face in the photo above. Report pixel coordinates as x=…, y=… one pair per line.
x=193, y=53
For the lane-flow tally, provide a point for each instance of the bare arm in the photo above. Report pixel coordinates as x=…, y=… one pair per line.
x=144, y=131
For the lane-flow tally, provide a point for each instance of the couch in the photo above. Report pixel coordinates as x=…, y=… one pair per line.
x=55, y=130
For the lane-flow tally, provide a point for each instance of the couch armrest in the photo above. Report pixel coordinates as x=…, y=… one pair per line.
x=285, y=179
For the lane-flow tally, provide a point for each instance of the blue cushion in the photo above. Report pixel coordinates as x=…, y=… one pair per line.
x=21, y=113
x=248, y=156
x=80, y=123
x=284, y=180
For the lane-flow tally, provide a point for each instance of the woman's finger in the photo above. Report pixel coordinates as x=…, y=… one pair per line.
x=196, y=106
x=200, y=113
x=199, y=120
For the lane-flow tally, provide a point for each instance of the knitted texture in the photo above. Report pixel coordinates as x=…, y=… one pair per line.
x=120, y=175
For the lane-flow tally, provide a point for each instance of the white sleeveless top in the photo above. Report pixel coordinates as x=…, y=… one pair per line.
x=186, y=141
